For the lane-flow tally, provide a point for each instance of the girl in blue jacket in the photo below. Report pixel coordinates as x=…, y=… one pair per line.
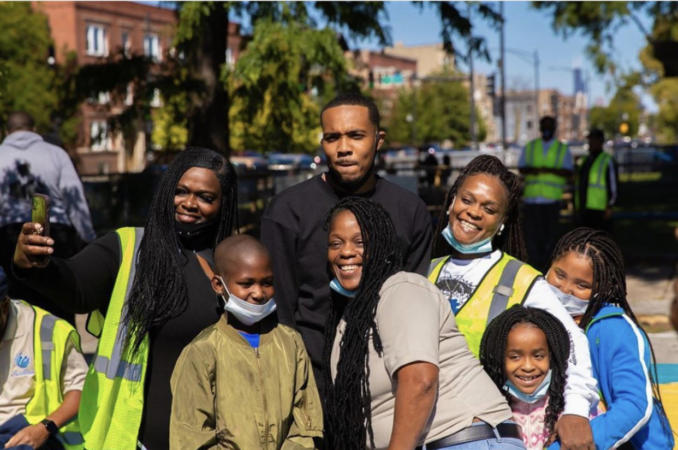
x=588, y=271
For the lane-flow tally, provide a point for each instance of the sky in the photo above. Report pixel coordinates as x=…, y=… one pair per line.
x=526, y=30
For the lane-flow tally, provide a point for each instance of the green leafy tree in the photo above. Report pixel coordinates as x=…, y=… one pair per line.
x=625, y=107
x=273, y=104
x=28, y=83
x=433, y=112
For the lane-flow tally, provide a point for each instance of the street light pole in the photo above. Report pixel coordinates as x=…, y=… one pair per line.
x=502, y=105
x=474, y=137
x=536, y=85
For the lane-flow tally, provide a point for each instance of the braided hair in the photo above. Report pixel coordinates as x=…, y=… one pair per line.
x=511, y=240
x=159, y=290
x=493, y=353
x=609, y=280
x=348, y=418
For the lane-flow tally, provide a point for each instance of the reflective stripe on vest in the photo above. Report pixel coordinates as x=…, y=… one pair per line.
x=113, y=396
x=545, y=185
x=505, y=284
x=596, y=191
x=50, y=340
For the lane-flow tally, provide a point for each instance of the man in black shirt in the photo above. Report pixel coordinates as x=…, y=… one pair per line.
x=596, y=185
x=293, y=225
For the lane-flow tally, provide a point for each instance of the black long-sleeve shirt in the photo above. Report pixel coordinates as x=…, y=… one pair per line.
x=85, y=282
x=292, y=228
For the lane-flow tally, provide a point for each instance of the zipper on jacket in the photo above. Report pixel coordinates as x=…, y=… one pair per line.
x=263, y=396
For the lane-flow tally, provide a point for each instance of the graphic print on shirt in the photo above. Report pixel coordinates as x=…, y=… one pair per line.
x=22, y=364
x=22, y=183
x=456, y=289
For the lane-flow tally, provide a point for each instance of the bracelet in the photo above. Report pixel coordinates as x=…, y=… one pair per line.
x=52, y=429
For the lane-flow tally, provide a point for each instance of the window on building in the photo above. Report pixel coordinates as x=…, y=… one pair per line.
x=529, y=124
x=152, y=47
x=126, y=43
x=96, y=40
x=98, y=133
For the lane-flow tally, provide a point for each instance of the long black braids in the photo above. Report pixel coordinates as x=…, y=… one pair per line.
x=609, y=281
x=493, y=353
x=159, y=289
x=511, y=239
x=348, y=418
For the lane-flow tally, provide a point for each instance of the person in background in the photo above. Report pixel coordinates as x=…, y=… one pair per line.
x=588, y=272
x=547, y=164
x=148, y=292
x=292, y=227
x=42, y=376
x=595, y=188
x=29, y=165
x=246, y=376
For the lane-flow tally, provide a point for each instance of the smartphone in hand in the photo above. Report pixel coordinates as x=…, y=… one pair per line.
x=40, y=212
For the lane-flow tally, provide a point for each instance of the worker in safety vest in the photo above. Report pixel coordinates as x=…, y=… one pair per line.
x=42, y=376
x=595, y=185
x=546, y=164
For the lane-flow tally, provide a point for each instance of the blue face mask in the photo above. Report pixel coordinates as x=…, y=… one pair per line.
x=483, y=246
x=535, y=396
x=338, y=288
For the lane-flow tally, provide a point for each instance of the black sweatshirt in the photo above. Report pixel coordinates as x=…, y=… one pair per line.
x=293, y=229
x=85, y=282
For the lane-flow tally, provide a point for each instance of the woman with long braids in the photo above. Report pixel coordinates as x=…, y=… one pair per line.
x=400, y=373
x=525, y=350
x=587, y=271
x=478, y=248
x=148, y=294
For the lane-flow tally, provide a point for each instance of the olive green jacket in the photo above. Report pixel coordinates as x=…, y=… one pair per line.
x=226, y=394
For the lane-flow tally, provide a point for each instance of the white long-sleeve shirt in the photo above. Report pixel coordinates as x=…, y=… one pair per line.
x=458, y=280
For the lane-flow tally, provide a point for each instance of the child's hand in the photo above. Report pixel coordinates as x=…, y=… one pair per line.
x=33, y=435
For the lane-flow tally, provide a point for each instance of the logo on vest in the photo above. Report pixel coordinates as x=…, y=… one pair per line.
x=22, y=361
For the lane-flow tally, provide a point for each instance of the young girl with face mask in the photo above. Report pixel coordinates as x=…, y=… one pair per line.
x=587, y=273
x=245, y=376
x=525, y=350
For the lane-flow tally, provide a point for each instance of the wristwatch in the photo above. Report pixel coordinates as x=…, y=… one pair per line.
x=52, y=429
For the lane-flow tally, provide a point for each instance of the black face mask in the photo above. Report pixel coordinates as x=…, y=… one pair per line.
x=197, y=236
x=547, y=134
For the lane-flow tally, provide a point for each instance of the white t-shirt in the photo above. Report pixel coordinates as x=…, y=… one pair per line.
x=18, y=370
x=459, y=279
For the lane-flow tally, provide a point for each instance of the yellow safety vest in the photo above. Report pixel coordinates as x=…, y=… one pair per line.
x=50, y=336
x=113, y=396
x=507, y=283
x=546, y=185
x=596, y=192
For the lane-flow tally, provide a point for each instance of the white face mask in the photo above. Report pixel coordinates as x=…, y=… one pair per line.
x=573, y=305
x=246, y=313
x=535, y=396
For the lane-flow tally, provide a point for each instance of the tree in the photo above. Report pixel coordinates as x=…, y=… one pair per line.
x=273, y=106
x=625, y=107
x=601, y=21
x=28, y=82
x=433, y=112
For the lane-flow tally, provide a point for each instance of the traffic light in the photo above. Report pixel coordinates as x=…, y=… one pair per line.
x=489, y=86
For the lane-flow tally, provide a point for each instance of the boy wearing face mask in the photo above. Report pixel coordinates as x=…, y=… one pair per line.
x=246, y=381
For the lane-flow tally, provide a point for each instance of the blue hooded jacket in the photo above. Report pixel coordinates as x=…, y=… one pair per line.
x=621, y=358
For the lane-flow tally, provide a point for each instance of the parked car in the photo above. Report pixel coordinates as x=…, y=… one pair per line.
x=285, y=162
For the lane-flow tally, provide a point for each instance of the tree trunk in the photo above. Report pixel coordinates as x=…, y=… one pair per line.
x=208, y=123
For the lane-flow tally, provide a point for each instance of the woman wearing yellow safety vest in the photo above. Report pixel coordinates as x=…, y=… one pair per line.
x=475, y=249
x=148, y=296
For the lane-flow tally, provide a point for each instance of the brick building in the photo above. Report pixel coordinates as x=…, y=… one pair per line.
x=383, y=74
x=94, y=31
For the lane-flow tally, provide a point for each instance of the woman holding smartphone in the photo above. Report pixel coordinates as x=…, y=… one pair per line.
x=147, y=293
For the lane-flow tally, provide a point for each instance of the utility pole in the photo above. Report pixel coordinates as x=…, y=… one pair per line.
x=474, y=136
x=502, y=105
x=536, y=85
